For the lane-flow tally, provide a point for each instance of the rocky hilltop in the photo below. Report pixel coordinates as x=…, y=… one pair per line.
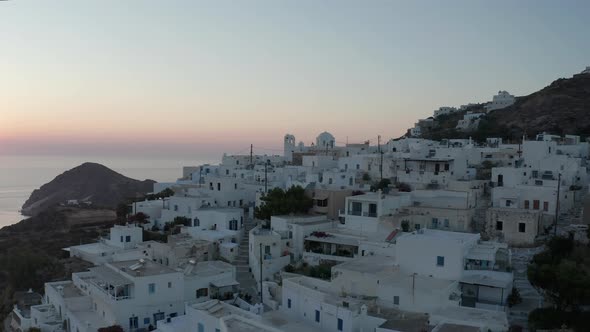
x=90, y=182
x=561, y=108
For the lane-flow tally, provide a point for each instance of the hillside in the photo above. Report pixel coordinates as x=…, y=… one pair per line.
x=31, y=251
x=561, y=108
x=87, y=182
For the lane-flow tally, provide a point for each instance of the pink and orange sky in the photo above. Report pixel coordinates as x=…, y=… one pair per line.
x=176, y=77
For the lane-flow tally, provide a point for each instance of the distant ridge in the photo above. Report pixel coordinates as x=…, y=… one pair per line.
x=88, y=182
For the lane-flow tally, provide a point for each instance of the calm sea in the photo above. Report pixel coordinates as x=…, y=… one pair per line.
x=20, y=175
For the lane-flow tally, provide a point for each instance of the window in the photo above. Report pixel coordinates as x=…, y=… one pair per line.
x=499, y=225
x=508, y=203
x=330, y=181
x=121, y=238
x=527, y=204
x=434, y=222
x=128, y=238
x=175, y=207
x=218, y=186
x=200, y=327
x=158, y=316
x=235, y=186
x=446, y=223
x=340, y=324
x=521, y=227
x=446, y=167
x=440, y=261
x=169, y=284
x=133, y=322
x=417, y=226
x=289, y=303
x=545, y=206
x=358, y=166
x=372, y=210
x=151, y=288
x=146, y=321
x=201, y=292
x=317, y=316
x=356, y=208
x=536, y=204
x=396, y=300
x=197, y=222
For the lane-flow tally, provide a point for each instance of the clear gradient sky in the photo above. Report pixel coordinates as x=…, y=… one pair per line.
x=173, y=77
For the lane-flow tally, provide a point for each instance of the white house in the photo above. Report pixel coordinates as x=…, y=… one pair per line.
x=502, y=100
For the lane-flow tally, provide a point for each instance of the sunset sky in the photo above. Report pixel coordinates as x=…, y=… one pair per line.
x=173, y=77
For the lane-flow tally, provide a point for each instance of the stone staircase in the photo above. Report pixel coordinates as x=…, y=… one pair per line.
x=243, y=274
x=531, y=299
x=479, y=217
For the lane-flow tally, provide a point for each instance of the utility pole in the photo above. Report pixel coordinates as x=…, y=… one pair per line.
x=251, y=148
x=557, y=205
x=260, y=273
x=266, y=176
x=381, y=156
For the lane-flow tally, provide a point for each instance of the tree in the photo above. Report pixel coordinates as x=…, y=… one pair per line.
x=139, y=218
x=280, y=202
x=122, y=210
x=382, y=184
x=514, y=297
x=404, y=187
x=562, y=273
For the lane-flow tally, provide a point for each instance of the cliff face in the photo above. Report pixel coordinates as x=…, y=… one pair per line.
x=87, y=182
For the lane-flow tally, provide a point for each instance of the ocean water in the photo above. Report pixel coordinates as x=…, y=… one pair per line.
x=20, y=175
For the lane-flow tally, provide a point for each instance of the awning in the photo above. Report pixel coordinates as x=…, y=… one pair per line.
x=224, y=283
x=489, y=278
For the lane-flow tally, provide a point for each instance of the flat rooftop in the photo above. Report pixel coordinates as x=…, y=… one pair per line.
x=147, y=268
x=281, y=321
x=470, y=316
x=208, y=268
x=67, y=289
x=368, y=264
x=95, y=248
x=437, y=234
x=447, y=327
x=330, y=294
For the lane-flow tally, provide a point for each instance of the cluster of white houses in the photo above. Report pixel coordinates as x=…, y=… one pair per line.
x=471, y=117
x=429, y=253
